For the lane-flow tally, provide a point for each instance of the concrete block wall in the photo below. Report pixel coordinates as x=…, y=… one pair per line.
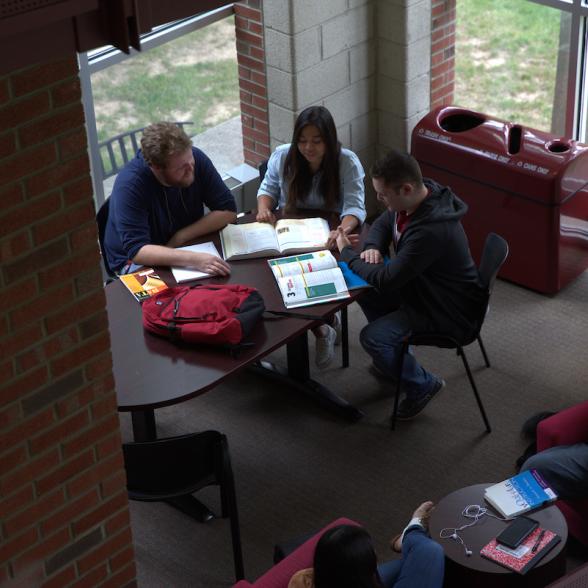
x=322, y=53
x=403, y=62
x=63, y=503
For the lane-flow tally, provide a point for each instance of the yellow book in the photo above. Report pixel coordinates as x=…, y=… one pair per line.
x=144, y=283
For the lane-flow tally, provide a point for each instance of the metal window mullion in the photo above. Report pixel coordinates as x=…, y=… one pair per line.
x=92, y=132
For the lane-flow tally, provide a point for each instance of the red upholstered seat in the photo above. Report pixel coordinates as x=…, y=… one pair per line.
x=567, y=427
x=280, y=574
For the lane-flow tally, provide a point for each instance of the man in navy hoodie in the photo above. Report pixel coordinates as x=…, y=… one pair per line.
x=157, y=204
x=430, y=285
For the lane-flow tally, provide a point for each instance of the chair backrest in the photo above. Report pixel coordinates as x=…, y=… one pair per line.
x=493, y=256
x=174, y=465
x=101, y=220
x=262, y=170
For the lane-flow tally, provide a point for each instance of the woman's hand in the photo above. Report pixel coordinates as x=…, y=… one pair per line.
x=265, y=215
x=371, y=256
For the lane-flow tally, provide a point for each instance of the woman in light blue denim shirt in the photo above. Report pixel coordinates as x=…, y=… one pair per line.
x=315, y=172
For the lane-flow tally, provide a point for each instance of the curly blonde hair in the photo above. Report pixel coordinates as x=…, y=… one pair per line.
x=162, y=140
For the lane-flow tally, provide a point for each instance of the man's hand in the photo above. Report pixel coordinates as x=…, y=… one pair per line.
x=371, y=256
x=211, y=264
x=343, y=239
x=265, y=215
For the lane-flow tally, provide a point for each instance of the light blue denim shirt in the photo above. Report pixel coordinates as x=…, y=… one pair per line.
x=351, y=176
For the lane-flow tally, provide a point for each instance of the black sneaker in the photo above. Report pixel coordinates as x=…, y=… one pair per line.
x=412, y=407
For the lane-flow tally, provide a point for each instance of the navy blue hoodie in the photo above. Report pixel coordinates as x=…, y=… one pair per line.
x=433, y=272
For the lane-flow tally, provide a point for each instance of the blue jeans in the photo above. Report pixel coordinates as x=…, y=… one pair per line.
x=422, y=563
x=382, y=338
x=564, y=467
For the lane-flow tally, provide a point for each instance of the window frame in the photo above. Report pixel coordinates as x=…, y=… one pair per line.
x=576, y=110
x=103, y=57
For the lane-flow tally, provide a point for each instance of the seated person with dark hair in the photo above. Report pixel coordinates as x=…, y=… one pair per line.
x=345, y=558
x=157, y=204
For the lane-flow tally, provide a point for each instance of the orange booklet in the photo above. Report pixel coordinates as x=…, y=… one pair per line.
x=144, y=283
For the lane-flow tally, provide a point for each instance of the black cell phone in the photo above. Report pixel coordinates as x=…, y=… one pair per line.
x=517, y=532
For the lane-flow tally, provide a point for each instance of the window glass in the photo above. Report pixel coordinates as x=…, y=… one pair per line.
x=512, y=61
x=190, y=78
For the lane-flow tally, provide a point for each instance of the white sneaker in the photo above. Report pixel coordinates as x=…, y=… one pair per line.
x=325, y=348
x=337, y=326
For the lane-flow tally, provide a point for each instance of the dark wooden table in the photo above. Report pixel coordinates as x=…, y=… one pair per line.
x=151, y=372
x=461, y=570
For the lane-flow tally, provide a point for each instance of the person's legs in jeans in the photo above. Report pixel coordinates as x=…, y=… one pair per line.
x=382, y=339
x=422, y=563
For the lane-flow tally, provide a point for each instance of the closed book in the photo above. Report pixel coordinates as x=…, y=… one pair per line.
x=536, y=546
x=143, y=284
x=519, y=494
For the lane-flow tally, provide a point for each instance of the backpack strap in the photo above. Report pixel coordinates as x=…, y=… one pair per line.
x=292, y=314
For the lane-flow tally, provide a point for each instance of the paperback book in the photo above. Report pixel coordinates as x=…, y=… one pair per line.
x=144, y=283
x=536, y=546
x=290, y=235
x=519, y=494
x=184, y=274
x=312, y=278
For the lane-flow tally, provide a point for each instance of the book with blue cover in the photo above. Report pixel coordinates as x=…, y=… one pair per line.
x=519, y=494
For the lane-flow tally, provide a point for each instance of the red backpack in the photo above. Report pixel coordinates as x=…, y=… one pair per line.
x=204, y=313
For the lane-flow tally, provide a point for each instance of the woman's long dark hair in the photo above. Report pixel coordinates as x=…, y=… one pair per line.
x=345, y=558
x=297, y=170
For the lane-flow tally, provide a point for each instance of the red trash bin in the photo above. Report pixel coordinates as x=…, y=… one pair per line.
x=526, y=185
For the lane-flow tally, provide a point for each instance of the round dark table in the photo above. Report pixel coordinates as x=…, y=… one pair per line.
x=463, y=571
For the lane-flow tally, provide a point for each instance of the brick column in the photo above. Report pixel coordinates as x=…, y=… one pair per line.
x=63, y=502
x=442, y=52
x=252, y=81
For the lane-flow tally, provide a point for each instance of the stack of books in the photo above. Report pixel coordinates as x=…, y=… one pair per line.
x=519, y=494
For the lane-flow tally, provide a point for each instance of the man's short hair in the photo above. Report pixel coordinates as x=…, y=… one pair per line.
x=162, y=140
x=397, y=167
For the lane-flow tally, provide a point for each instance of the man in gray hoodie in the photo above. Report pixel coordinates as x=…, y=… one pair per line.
x=430, y=285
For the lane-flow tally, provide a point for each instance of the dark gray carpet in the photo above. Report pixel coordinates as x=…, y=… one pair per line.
x=298, y=467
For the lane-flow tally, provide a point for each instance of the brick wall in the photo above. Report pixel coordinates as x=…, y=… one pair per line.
x=63, y=505
x=442, y=52
x=252, y=81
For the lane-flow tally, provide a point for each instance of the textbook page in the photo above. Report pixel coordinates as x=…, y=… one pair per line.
x=302, y=263
x=247, y=240
x=183, y=274
x=302, y=234
x=313, y=288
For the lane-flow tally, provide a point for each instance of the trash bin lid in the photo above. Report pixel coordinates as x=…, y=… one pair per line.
x=525, y=162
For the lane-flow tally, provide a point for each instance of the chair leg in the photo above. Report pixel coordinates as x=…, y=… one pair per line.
x=483, y=349
x=461, y=352
x=344, y=338
x=398, y=380
x=229, y=508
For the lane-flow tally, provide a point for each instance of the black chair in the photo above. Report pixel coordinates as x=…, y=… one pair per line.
x=101, y=220
x=494, y=255
x=172, y=469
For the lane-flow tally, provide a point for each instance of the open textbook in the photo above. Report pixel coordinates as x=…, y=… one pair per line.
x=289, y=235
x=311, y=278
